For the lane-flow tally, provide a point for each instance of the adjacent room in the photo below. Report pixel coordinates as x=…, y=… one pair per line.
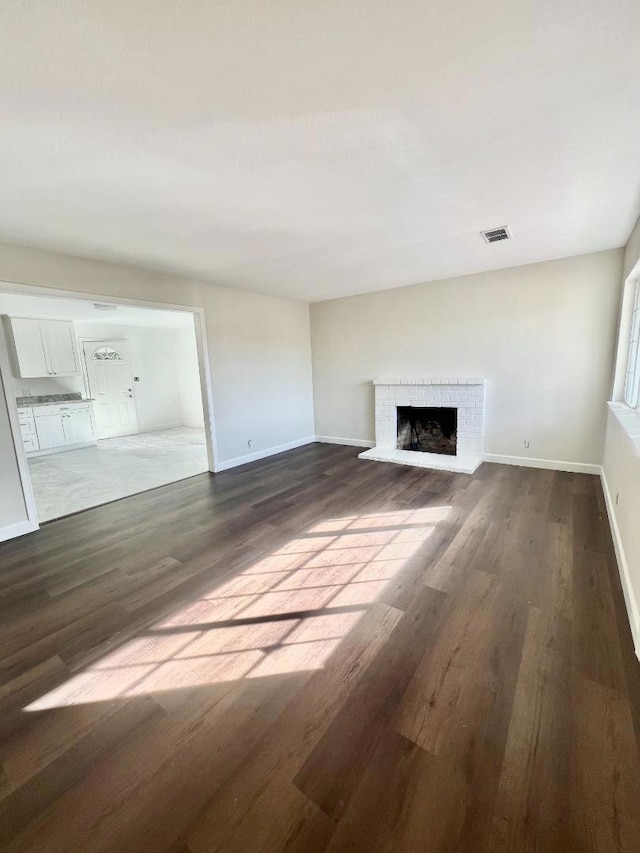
x=320, y=427
x=108, y=398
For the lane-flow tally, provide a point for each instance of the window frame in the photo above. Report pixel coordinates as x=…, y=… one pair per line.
x=110, y=354
x=631, y=393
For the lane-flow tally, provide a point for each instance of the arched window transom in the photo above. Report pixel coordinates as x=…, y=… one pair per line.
x=106, y=354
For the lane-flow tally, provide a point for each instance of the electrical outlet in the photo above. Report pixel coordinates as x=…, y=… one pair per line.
x=26, y=392
x=249, y=443
x=526, y=443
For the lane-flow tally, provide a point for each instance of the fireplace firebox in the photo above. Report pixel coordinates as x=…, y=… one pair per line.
x=427, y=429
x=453, y=445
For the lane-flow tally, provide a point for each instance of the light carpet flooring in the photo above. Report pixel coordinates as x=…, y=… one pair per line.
x=73, y=480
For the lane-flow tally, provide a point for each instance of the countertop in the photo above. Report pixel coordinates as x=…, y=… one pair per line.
x=46, y=402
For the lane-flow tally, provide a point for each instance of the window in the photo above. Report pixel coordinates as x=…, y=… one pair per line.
x=632, y=378
x=106, y=354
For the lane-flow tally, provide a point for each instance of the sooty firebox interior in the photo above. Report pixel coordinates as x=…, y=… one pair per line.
x=428, y=430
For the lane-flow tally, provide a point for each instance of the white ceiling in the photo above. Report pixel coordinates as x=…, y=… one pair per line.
x=82, y=310
x=317, y=149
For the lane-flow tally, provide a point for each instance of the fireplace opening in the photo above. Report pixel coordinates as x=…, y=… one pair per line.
x=428, y=430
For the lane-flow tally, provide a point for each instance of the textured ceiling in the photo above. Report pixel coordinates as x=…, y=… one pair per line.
x=318, y=149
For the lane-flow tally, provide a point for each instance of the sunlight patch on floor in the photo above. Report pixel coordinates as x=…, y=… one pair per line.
x=285, y=613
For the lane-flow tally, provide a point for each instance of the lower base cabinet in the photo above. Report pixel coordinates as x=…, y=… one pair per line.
x=59, y=427
x=50, y=431
x=78, y=426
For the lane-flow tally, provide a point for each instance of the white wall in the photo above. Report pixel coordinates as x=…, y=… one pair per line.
x=154, y=362
x=542, y=335
x=261, y=358
x=187, y=370
x=259, y=347
x=46, y=385
x=621, y=468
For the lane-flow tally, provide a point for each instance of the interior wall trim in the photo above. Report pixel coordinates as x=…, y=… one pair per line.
x=526, y=461
x=349, y=442
x=29, y=524
x=19, y=529
x=550, y=464
x=263, y=454
x=630, y=600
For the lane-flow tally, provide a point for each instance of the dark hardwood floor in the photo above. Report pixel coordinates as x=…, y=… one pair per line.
x=318, y=653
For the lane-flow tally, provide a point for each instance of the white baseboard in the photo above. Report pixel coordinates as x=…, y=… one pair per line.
x=19, y=529
x=633, y=611
x=349, y=442
x=527, y=461
x=550, y=464
x=263, y=454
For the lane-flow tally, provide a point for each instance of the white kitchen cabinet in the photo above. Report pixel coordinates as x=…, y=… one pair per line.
x=61, y=342
x=26, y=421
x=50, y=428
x=78, y=425
x=64, y=426
x=29, y=348
x=30, y=443
x=42, y=347
x=28, y=430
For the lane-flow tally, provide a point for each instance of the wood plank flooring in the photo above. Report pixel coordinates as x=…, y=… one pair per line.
x=317, y=653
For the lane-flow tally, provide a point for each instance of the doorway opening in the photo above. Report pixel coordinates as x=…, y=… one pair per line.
x=109, y=398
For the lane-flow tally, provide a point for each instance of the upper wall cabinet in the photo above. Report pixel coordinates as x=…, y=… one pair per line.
x=42, y=347
x=61, y=341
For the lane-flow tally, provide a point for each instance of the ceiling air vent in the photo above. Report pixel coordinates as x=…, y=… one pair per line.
x=494, y=235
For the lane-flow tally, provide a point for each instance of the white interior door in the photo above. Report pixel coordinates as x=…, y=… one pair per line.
x=111, y=386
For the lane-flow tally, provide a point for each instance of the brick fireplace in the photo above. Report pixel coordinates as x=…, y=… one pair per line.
x=464, y=395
